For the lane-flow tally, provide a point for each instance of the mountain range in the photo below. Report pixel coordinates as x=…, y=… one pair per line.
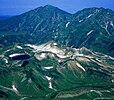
x=49, y=54
x=4, y=17
x=91, y=27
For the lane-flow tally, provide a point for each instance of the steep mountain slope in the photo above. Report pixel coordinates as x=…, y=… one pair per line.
x=38, y=24
x=91, y=27
x=53, y=72
x=94, y=29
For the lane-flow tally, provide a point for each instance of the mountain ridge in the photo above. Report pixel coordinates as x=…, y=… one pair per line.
x=51, y=23
x=49, y=71
x=4, y=17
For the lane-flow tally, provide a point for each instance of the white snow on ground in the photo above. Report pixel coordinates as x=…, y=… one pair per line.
x=82, y=55
x=85, y=18
x=13, y=55
x=113, y=80
x=80, y=20
x=10, y=89
x=109, y=57
x=92, y=90
x=89, y=32
x=59, y=60
x=111, y=23
x=106, y=27
x=87, y=56
x=54, y=44
x=8, y=50
x=14, y=88
x=80, y=66
x=48, y=67
x=67, y=24
x=50, y=83
x=89, y=16
x=6, y=61
x=62, y=56
x=77, y=54
x=49, y=48
x=19, y=47
x=48, y=78
x=98, y=60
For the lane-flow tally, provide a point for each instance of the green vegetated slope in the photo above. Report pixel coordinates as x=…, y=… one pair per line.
x=54, y=72
x=90, y=27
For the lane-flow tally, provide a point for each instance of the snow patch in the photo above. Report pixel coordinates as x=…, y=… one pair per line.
x=50, y=83
x=67, y=24
x=113, y=80
x=49, y=48
x=98, y=60
x=8, y=50
x=89, y=16
x=82, y=55
x=111, y=23
x=106, y=27
x=80, y=21
x=80, y=66
x=19, y=47
x=6, y=61
x=85, y=18
x=48, y=78
x=55, y=44
x=14, y=88
x=13, y=55
x=89, y=32
x=48, y=67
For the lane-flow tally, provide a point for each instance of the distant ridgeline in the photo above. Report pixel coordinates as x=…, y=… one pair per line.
x=4, y=17
x=92, y=28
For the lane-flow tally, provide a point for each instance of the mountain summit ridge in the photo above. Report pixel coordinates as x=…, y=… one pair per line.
x=90, y=27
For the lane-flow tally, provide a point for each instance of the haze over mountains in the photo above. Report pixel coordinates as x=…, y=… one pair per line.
x=4, y=17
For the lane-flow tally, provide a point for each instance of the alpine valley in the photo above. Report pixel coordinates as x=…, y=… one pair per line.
x=49, y=54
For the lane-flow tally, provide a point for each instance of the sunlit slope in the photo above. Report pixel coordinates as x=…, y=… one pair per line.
x=92, y=28
x=50, y=71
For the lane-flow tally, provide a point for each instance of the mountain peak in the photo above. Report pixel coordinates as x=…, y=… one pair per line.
x=97, y=9
x=49, y=6
x=89, y=27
